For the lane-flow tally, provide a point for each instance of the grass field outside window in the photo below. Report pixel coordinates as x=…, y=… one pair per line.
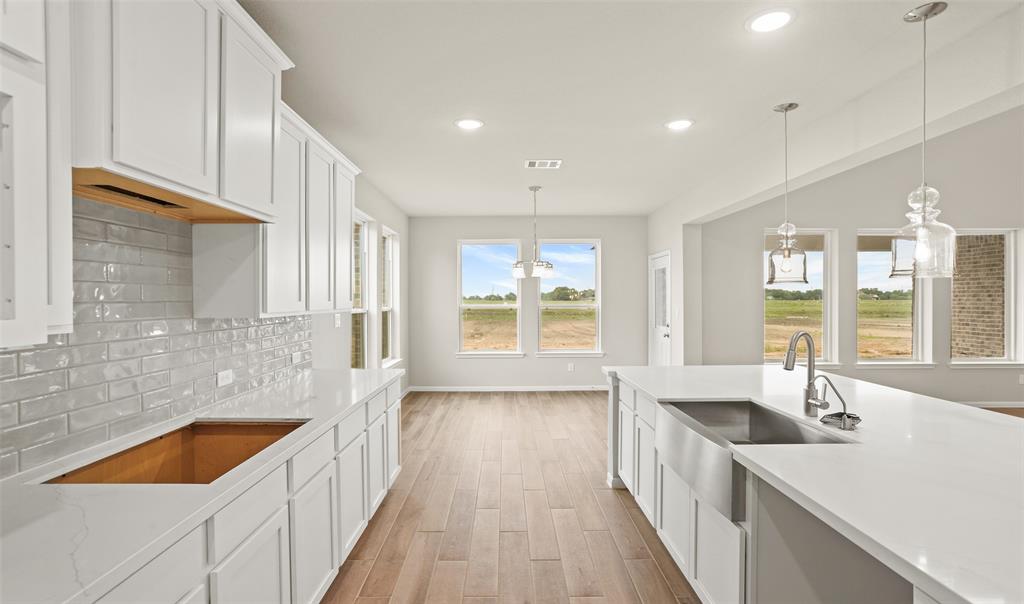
x=570, y=309
x=488, y=296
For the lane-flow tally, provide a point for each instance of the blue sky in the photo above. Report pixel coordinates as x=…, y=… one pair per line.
x=487, y=268
x=872, y=271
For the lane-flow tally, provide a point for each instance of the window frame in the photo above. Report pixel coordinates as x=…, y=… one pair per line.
x=923, y=309
x=1013, y=305
x=598, y=349
x=459, y=305
x=828, y=348
x=388, y=265
x=359, y=217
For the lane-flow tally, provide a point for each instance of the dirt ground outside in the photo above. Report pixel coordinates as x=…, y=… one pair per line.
x=884, y=327
x=487, y=329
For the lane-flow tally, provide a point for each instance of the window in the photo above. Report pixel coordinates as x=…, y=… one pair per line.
x=983, y=298
x=488, y=297
x=359, y=233
x=570, y=307
x=807, y=306
x=386, y=264
x=889, y=308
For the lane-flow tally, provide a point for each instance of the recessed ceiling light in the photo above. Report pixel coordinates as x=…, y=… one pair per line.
x=469, y=124
x=770, y=21
x=679, y=125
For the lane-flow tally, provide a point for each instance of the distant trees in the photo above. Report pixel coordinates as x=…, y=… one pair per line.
x=786, y=294
x=567, y=294
x=873, y=293
x=509, y=297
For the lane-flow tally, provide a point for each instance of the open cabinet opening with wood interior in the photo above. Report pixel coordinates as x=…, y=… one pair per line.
x=198, y=453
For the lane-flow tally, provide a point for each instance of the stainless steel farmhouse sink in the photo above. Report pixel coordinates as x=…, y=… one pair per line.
x=695, y=439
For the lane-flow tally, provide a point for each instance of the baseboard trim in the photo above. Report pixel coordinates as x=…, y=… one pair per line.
x=995, y=404
x=597, y=387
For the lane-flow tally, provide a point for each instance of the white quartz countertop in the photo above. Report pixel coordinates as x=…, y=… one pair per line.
x=74, y=542
x=931, y=488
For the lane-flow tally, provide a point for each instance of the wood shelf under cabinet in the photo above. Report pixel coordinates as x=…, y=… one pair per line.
x=198, y=453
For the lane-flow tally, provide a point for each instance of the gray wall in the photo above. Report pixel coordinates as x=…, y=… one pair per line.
x=136, y=356
x=977, y=169
x=433, y=317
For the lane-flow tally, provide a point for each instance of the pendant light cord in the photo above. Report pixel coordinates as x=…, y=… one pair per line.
x=924, y=96
x=785, y=154
x=535, y=258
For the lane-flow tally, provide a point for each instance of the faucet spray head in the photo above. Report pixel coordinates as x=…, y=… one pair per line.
x=790, y=361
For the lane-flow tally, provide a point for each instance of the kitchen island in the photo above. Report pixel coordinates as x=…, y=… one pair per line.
x=275, y=527
x=930, y=489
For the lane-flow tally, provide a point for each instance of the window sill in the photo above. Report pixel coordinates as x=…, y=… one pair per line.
x=570, y=354
x=895, y=365
x=1000, y=364
x=489, y=355
x=389, y=363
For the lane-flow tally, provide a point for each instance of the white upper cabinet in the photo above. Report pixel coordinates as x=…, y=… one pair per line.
x=284, y=241
x=250, y=93
x=344, y=199
x=21, y=28
x=319, y=224
x=176, y=100
x=164, y=85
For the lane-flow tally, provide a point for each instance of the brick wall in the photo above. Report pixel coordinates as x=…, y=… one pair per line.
x=136, y=356
x=979, y=297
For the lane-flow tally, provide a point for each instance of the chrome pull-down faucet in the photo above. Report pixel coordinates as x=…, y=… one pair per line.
x=812, y=401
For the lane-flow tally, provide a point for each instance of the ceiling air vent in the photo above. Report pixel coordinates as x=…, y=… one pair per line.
x=544, y=164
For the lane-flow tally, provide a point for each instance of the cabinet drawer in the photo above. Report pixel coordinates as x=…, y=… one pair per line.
x=626, y=395
x=238, y=519
x=376, y=407
x=394, y=392
x=351, y=427
x=308, y=461
x=646, y=409
x=171, y=576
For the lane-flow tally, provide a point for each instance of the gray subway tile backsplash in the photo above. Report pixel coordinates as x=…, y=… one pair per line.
x=136, y=356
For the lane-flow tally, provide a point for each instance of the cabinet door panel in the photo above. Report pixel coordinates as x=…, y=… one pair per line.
x=643, y=481
x=165, y=82
x=175, y=574
x=718, y=559
x=626, y=457
x=673, y=516
x=378, y=461
x=258, y=570
x=344, y=199
x=319, y=216
x=352, y=499
x=285, y=240
x=394, y=421
x=314, y=534
x=250, y=92
x=21, y=28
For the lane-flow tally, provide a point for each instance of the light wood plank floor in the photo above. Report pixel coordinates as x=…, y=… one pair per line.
x=502, y=497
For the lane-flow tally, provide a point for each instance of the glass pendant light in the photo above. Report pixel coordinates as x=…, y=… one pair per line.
x=934, y=242
x=787, y=263
x=537, y=268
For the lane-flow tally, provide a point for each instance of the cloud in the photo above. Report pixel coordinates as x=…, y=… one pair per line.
x=490, y=253
x=569, y=257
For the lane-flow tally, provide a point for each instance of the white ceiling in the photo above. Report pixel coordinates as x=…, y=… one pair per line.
x=589, y=83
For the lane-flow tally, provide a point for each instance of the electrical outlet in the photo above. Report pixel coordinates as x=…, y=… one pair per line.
x=225, y=377
x=337, y=319
x=572, y=367
x=296, y=358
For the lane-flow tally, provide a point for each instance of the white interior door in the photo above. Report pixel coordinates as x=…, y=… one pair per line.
x=659, y=296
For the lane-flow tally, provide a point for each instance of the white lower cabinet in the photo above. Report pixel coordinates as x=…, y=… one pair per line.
x=314, y=536
x=719, y=555
x=377, y=457
x=673, y=516
x=394, y=422
x=178, y=574
x=353, y=502
x=259, y=570
x=646, y=468
x=626, y=455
